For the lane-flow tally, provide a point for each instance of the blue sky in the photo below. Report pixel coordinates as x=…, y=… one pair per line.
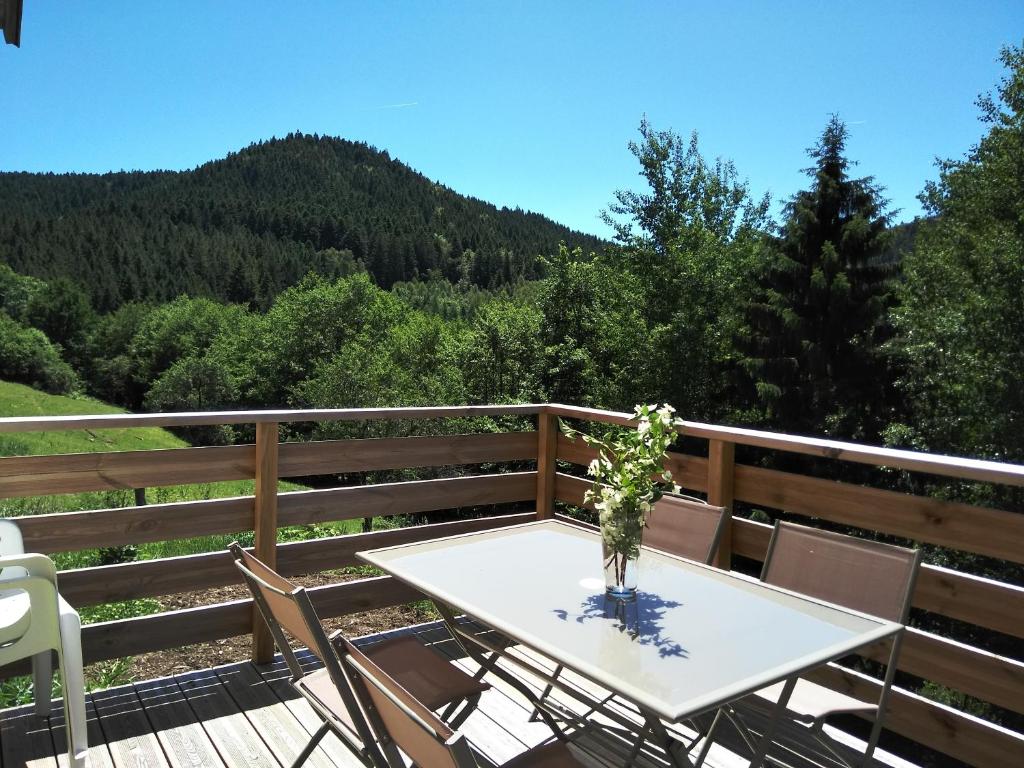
x=528, y=104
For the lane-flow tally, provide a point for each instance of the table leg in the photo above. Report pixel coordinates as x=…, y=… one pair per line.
x=769, y=732
x=492, y=666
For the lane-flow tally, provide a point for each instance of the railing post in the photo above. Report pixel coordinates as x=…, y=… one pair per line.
x=721, y=475
x=547, y=447
x=265, y=527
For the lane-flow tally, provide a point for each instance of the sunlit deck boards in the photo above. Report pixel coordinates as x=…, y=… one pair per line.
x=243, y=716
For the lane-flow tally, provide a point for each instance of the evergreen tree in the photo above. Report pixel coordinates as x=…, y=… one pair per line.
x=818, y=319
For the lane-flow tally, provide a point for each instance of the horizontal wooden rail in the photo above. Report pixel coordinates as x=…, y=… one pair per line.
x=991, y=532
x=339, y=456
x=174, y=629
x=188, y=626
x=205, y=418
x=412, y=497
x=73, y=531
x=116, y=470
x=949, y=466
x=191, y=573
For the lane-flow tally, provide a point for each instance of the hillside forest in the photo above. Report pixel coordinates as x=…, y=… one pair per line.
x=313, y=272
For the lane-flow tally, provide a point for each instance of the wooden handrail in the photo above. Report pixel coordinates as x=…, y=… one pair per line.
x=948, y=466
x=207, y=418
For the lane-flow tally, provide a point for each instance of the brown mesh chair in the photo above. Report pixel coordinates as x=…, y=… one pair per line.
x=866, y=576
x=686, y=527
x=404, y=722
x=287, y=610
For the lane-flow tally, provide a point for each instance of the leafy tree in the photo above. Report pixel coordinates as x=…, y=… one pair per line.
x=28, y=357
x=690, y=240
x=818, y=320
x=196, y=383
x=62, y=311
x=503, y=353
x=593, y=332
x=182, y=328
x=109, y=368
x=961, y=318
x=16, y=291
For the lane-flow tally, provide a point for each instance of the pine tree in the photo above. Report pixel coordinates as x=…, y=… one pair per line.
x=814, y=329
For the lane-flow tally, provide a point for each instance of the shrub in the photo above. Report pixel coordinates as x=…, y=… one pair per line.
x=27, y=356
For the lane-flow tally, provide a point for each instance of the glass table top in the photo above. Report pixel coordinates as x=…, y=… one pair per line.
x=696, y=637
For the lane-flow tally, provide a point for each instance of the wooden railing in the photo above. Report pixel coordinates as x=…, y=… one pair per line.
x=962, y=667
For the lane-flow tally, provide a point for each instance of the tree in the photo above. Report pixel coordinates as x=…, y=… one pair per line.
x=594, y=333
x=28, y=357
x=689, y=240
x=502, y=353
x=815, y=328
x=195, y=383
x=961, y=318
x=62, y=311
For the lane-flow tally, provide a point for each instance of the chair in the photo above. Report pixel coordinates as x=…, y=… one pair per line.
x=401, y=720
x=686, y=527
x=286, y=608
x=866, y=576
x=35, y=621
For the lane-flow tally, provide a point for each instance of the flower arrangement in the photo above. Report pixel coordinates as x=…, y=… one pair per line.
x=628, y=479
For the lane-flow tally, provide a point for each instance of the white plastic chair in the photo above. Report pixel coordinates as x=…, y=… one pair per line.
x=35, y=621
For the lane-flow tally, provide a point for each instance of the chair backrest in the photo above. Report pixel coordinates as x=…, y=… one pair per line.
x=402, y=718
x=686, y=527
x=867, y=576
x=11, y=543
x=286, y=608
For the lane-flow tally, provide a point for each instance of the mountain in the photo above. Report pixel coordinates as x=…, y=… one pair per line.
x=245, y=227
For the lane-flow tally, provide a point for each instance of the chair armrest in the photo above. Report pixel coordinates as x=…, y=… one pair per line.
x=35, y=565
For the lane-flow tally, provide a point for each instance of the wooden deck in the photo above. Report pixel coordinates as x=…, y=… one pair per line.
x=246, y=716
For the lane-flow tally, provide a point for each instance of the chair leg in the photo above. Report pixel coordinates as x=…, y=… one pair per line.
x=42, y=681
x=308, y=749
x=73, y=678
x=467, y=709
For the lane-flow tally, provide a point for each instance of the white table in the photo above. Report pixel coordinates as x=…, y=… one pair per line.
x=697, y=637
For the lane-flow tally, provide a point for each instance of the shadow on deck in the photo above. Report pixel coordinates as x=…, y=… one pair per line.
x=246, y=716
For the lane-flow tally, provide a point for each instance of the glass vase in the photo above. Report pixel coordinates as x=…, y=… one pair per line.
x=620, y=573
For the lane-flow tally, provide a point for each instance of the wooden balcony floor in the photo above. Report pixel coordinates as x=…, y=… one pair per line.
x=244, y=716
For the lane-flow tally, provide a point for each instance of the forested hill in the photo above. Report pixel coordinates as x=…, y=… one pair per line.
x=245, y=227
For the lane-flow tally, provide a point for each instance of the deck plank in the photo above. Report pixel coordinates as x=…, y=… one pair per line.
x=277, y=675
x=25, y=739
x=281, y=731
x=127, y=730
x=180, y=734
x=237, y=742
x=99, y=752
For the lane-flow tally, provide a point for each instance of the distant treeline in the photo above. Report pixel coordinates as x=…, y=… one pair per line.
x=244, y=228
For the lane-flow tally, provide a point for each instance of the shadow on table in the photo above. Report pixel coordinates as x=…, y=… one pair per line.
x=641, y=619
